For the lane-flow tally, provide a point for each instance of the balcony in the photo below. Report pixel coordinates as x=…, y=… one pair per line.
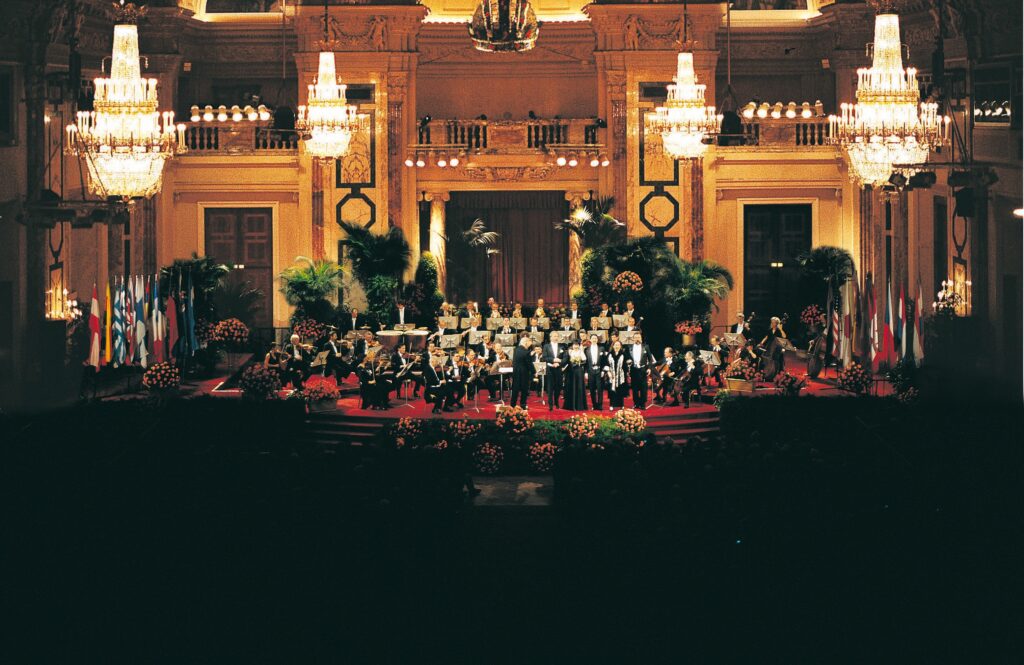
x=238, y=138
x=779, y=134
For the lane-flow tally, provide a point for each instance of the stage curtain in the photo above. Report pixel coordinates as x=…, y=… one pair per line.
x=533, y=255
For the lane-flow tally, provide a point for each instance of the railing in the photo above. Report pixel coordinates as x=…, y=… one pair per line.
x=535, y=134
x=235, y=138
x=800, y=132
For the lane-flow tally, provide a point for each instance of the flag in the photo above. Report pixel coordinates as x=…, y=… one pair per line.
x=94, y=330
x=888, y=342
x=873, y=337
x=833, y=317
x=901, y=328
x=190, y=318
x=172, y=321
x=140, y=323
x=846, y=348
x=918, y=341
x=156, y=331
x=108, y=335
x=128, y=331
x=118, y=327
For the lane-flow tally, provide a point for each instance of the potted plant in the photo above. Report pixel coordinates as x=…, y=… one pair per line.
x=741, y=377
x=319, y=397
x=162, y=380
x=689, y=330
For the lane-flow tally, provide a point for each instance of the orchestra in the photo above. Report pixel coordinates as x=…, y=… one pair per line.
x=554, y=352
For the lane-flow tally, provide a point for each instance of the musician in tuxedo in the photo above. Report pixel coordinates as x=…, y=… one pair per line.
x=354, y=321
x=567, y=326
x=404, y=366
x=506, y=328
x=436, y=389
x=723, y=357
x=517, y=311
x=553, y=357
x=631, y=325
x=640, y=362
x=574, y=312
x=606, y=312
x=493, y=311
x=472, y=310
x=362, y=345
x=522, y=371
x=688, y=380
x=596, y=362
x=540, y=312
x=457, y=374
x=399, y=316
x=741, y=327
x=337, y=362
x=447, y=309
x=299, y=358
x=669, y=370
x=631, y=311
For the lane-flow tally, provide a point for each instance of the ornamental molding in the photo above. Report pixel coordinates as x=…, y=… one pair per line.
x=507, y=173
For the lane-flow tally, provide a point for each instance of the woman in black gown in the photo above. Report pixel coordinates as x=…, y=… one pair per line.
x=617, y=371
x=575, y=380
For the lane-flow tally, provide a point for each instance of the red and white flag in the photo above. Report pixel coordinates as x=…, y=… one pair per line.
x=94, y=331
x=918, y=341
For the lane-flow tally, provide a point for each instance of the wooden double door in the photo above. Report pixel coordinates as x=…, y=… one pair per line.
x=243, y=239
x=773, y=236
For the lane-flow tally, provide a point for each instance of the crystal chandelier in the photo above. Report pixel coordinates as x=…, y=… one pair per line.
x=124, y=140
x=684, y=122
x=888, y=126
x=504, y=26
x=327, y=121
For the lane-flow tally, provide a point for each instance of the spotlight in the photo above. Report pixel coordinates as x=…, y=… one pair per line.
x=594, y=161
x=409, y=162
x=573, y=160
x=762, y=110
x=560, y=160
x=922, y=180
x=420, y=163
x=454, y=161
x=805, y=110
x=222, y=113
x=194, y=114
x=236, y=114
x=442, y=162
x=208, y=114
x=777, y=110
x=819, y=108
x=1018, y=212
x=251, y=113
x=263, y=113
x=791, y=110
x=605, y=161
x=748, y=110
x=898, y=179
x=986, y=108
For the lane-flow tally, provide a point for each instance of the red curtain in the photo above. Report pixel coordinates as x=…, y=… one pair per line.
x=532, y=259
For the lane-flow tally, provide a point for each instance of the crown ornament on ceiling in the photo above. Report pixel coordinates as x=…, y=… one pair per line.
x=504, y=26
x=127, y=13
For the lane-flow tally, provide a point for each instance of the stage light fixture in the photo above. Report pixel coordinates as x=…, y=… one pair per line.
x=560, y=160
x=959, y=179
x=263, y=112
x=922, y=180
x=762, y=110
x=573, y=160
x=236, y=113
x=805, y=110
x=1019, y=212
x=605, y=161
x=208, y=114
x=748, y=110
x=777, y=110
x=222, y=113
x=594, y=161
x=897, y=179
x=791, y=110
x=454, y=161
x=819, y=108
x=194, y=114
x=420, y=163
x=409, y=162
x=442, y=162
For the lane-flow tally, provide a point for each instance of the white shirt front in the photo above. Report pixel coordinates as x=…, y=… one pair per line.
x=401, y=316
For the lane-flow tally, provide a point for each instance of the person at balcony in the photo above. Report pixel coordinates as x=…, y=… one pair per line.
x=617, y=372
x=554, y=358
x=640, y=362
x=399, y=317
x=596, y=363
x=354, y=321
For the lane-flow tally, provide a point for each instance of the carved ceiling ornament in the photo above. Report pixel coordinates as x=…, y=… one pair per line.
x=373, y=35
x=640, y=33
x=507, y=173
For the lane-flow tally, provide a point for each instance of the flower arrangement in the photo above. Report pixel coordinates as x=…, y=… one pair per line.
x=462, y=430
x=514, y=420
x=630, y=421
x=162, y=377
x=908, y=396
x=745, y=370
x=440, y=446
x=627, y=281
x=322, y=391
x=689, y=327
x=259, y=383
x=721, y=397
x=308, y=329
x=231, y=332
x=204, y=332
x=542, y=456
x=812, y=316
x=580, y=427
x=409, y=428
x=488, y=458
x=788, y=384
x=854, y=379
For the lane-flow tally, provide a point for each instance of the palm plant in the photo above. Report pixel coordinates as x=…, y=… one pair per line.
x=236, y=299
x=833, y=265
x=478, y=236
x=310, y=280
x=374, y=254
x=206, y=274
x=701, y=284
x=593, y=223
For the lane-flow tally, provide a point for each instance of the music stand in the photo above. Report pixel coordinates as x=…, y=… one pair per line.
x=710, y=358
x=600, y=322
x=574, y=323
x=507, y=340
x=537, y=337
x=563, y=336
x=630, y=337
x=448, y=322
x=480, y=337
x=405, y=327
x=620, y=320
x=504, y=368
x=734, y=339
x=602, y=336
x=320, y=360
x=518, y=322
x=449, y=341
x=540, y=369
x=544, y=322
x=465, y=322
x=493, y=322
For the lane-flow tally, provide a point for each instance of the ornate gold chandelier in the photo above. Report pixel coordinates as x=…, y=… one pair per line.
x=504, y=26
x=124, y=140
x=888, y=128
x=327, y=121
x=684, y=122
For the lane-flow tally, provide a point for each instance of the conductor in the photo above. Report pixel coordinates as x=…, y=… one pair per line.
x=522, y=371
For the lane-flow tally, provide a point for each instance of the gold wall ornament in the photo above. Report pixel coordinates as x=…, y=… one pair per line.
x=504, y=26
x=508, y=173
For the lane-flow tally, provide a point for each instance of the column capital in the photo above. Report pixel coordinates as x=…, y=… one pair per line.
x=439, y=195
x=577, y=198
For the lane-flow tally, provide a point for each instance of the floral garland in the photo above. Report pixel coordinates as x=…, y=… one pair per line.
x=231, y=332
x=308, y=329
x=162, y=376
x=542, y=456
x=488, y=458
x=259, y=383
x=580, y=427
x=788, y=384
x=743, y=369
x=854, y=379
x=689, y=327
x=630, y=421
x=462, y=431
x=514, y=420
x=627, y=281
x=812, y=316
